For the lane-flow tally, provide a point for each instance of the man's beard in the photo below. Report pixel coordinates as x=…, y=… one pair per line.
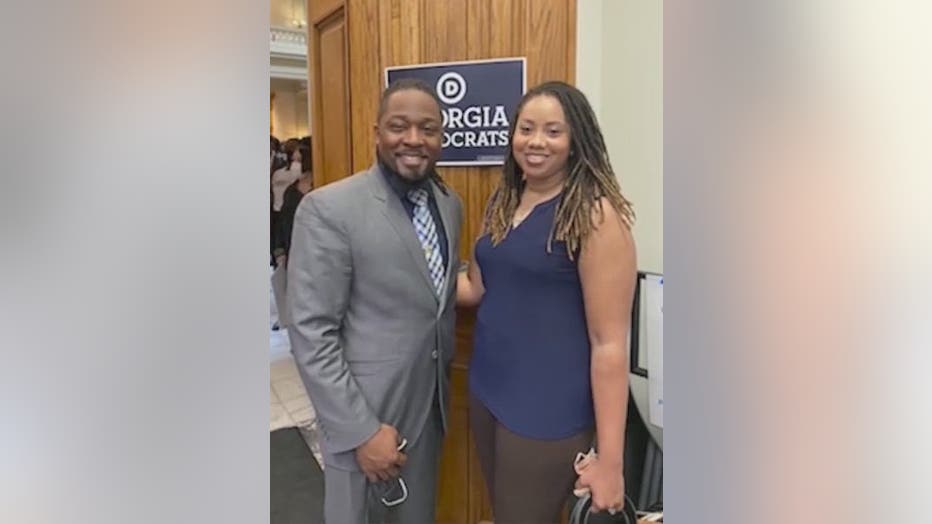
x=410, y=174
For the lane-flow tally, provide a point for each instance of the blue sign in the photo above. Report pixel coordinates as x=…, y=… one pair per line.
x=478, y=99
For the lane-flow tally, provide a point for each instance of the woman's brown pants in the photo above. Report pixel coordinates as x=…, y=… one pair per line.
x=528, y=480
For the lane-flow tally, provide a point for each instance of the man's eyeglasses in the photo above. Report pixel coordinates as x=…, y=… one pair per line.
x=396, y=492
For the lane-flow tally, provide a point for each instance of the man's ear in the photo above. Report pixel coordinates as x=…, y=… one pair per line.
x=375, y=131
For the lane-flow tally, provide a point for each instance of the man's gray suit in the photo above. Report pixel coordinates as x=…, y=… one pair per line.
x=370, y=335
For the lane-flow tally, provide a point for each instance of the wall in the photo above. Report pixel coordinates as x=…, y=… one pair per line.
x=289, y=109
x=544, y=31
x=620, y=68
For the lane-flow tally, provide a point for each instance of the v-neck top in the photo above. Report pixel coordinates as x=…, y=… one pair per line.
x=530, y=363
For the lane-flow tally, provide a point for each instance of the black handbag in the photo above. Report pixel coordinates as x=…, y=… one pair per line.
x=581, y=515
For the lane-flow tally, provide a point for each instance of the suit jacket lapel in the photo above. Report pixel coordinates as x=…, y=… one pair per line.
x=396, y=215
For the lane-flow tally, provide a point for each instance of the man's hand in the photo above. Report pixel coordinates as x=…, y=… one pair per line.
x=379, y=457
x=282, y=261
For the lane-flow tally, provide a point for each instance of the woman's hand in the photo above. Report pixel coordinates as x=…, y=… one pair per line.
x=464, y=290
x=605, y=482
x=469, y=286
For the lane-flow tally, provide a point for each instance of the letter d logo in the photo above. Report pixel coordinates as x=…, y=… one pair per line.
x=451, y=88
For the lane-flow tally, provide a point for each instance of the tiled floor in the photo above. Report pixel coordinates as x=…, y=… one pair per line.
x=290, y=405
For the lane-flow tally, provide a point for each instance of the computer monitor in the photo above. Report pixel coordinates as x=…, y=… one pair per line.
x=646, y=350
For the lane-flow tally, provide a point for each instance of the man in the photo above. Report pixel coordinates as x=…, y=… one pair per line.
x=372, y=286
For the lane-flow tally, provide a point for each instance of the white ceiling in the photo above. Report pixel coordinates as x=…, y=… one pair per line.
x=284, y=12
x=284, y=62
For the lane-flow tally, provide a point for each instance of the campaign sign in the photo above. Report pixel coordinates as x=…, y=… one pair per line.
x=478, y=99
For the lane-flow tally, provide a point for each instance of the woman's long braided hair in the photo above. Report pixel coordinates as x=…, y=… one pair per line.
x=589, y=176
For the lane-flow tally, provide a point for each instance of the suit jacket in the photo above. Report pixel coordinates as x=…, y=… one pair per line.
x=371, y=337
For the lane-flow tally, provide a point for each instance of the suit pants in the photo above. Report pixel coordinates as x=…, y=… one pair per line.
x=349, y=498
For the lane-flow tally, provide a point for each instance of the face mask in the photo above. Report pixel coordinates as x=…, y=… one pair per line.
x=296, y=166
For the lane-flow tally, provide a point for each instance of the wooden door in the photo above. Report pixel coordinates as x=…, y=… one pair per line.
x=329, y=84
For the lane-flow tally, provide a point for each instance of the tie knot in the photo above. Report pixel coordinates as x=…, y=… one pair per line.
x=418, y=197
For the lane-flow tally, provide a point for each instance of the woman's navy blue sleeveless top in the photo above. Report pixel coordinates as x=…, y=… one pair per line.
x=530, y=363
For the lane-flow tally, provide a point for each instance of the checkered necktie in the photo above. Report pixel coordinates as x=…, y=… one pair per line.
x=427, y=233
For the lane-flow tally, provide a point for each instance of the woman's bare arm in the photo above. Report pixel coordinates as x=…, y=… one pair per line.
x=608, y=272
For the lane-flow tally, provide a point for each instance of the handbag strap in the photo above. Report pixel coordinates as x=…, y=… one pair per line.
x=580, y=513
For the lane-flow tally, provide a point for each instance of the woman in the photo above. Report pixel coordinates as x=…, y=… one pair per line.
x=290, y=200
x=281, y=179
x=276, y=162
x=553, y=274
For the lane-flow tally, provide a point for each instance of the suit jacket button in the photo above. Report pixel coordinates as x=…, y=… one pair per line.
x=433, y=354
